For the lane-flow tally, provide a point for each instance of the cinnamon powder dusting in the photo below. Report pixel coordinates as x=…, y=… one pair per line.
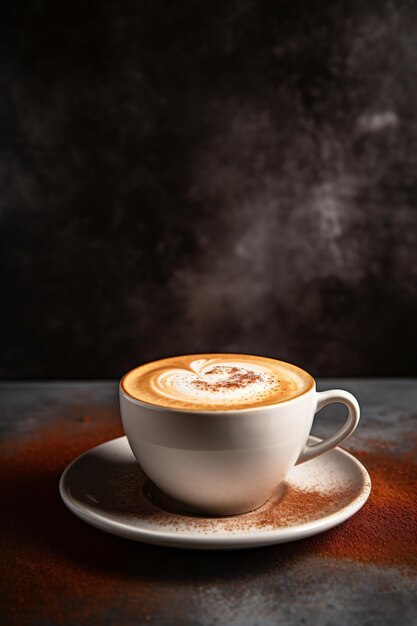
x=237, y=379
x=64, y=571
x=291, y=506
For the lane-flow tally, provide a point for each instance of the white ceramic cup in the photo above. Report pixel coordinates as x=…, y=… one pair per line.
x=228, y=462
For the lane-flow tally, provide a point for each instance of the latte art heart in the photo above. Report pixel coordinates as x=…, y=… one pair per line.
x=215, y=382
x=211, y=382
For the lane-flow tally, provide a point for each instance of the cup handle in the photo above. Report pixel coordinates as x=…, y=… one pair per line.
x=323, y=399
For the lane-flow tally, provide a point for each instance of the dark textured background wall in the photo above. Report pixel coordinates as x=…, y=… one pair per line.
x=201, y=176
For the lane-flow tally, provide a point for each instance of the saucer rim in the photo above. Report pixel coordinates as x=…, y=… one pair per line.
x=237, y=539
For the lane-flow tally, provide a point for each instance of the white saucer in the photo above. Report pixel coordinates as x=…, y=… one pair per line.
x=106, y=488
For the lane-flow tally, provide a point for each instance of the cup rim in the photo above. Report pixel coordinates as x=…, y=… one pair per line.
x=157, y=407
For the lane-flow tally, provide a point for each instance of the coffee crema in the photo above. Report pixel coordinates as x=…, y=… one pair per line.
x=216, y=382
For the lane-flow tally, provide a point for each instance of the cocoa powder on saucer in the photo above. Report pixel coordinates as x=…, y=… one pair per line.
x=290, y=506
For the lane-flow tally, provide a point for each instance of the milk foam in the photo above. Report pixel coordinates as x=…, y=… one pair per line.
x=216, y=382
x=211, y=382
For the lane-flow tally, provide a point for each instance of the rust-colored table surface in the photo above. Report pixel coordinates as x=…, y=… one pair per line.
x=58, y=570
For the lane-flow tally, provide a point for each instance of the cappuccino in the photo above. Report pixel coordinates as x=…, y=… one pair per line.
x=216, y=382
